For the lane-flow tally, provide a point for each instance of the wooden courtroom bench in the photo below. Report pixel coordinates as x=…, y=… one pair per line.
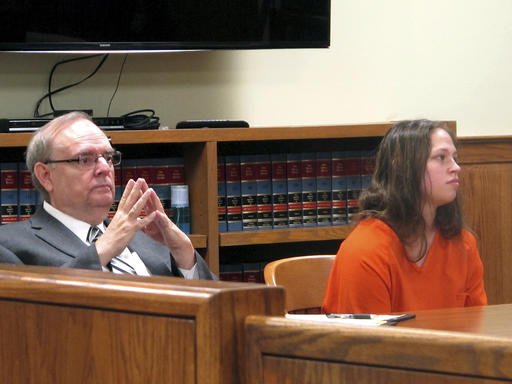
x=77, y=326
x=458, y=345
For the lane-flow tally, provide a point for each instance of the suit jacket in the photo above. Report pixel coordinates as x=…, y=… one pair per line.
x=43, y=240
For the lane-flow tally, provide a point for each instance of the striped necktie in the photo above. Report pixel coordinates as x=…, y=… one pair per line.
x=116, y=264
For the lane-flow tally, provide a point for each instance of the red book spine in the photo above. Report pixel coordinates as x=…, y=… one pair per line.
x=324, y=188
x=162, y=182
x=233, y=193
x=248, y=184
x=309, y=202
x=339, y=189
x=279, y=191
x=354, y=184
x=294, y=189
x=264, y=191
x=221, y=194
x=118, y=182
x=27, y=194
x=9, y=192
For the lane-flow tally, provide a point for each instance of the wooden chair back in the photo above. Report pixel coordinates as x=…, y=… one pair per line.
x=304, y=279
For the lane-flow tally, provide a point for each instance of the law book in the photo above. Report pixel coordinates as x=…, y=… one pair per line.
x=294, y=189
x=221, y=194
x=144, y=169
x=233, y=193
x=252, y=272
x=161, y=181
x=367, y=168
x=128, y=170
x=279, y=191
x=264, y=191
x=354, y=183
x=177, y=170
x=118, y=183
x=27, y=197
x=248, y=185
x=9, y=192
x=309, y=201
x=231, y=272
x=339, y=188
x=324, y=188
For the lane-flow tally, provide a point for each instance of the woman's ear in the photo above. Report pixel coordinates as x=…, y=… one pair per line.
x=43, y=174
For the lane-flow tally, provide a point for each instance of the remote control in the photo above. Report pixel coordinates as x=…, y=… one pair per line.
x=212, y=124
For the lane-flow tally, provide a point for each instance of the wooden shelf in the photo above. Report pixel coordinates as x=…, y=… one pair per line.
x=290, y=235
x=202, y=135
x=199, y=241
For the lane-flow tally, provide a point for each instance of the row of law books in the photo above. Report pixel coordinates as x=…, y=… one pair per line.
x=19, y=198
x=242, y=272
x=290, y=190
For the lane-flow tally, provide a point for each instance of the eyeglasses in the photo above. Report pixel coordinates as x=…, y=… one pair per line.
x=89, y=160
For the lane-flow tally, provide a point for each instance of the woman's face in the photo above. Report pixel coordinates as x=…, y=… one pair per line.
x=442, y=170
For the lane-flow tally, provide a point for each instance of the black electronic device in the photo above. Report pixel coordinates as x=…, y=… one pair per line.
x=212, y=124
x=105, y=123
x=163, y=25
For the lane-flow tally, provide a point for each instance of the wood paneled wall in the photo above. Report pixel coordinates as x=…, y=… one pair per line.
x=487, y=195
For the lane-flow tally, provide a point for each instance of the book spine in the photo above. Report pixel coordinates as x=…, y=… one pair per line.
x=161, y=181
x=252, y=272
x=367, y=168
x=354, y=183
x=177, y=174
x=248, y=171
x=324, y=188
x=27, y=193
x=9, y=192
x=233, y=193
x=339, y=188
x=264, y=191
x=128, y=170
x=279, y=191
x=118, y=185
x=221, y=194
x=231, y=272
x=309, y=202
x=294, y=189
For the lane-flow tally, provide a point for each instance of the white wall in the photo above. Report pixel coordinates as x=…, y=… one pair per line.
x=389, y=60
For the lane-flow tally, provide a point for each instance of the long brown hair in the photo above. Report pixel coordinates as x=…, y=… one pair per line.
x=396, y=192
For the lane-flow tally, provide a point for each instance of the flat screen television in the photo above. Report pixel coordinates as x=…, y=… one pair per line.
x=162, y=25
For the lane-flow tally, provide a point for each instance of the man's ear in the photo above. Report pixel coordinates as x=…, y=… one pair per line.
x=42, y=173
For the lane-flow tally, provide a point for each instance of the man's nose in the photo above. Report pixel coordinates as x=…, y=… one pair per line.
x=102, y=164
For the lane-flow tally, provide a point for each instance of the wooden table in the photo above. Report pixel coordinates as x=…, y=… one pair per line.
x=461, y=345
x=491, y=320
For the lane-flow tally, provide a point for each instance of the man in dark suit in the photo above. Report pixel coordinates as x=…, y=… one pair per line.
x=72, y=165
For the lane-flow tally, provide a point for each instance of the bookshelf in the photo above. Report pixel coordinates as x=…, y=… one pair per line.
x=200, y=149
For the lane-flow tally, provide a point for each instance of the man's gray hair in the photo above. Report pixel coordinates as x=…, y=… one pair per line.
x=40, y=146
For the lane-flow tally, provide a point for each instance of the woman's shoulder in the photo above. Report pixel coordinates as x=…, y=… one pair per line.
x=373, y=232
x=373, y=224
x=466, y=239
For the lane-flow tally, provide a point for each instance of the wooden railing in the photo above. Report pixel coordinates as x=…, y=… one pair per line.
x=78, y=326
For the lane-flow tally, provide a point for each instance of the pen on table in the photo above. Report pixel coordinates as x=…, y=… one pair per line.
x=359, y=316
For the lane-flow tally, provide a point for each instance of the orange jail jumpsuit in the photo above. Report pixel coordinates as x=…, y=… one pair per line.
x=371, y=273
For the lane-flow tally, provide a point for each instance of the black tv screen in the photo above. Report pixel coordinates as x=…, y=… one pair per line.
x=162, y=25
